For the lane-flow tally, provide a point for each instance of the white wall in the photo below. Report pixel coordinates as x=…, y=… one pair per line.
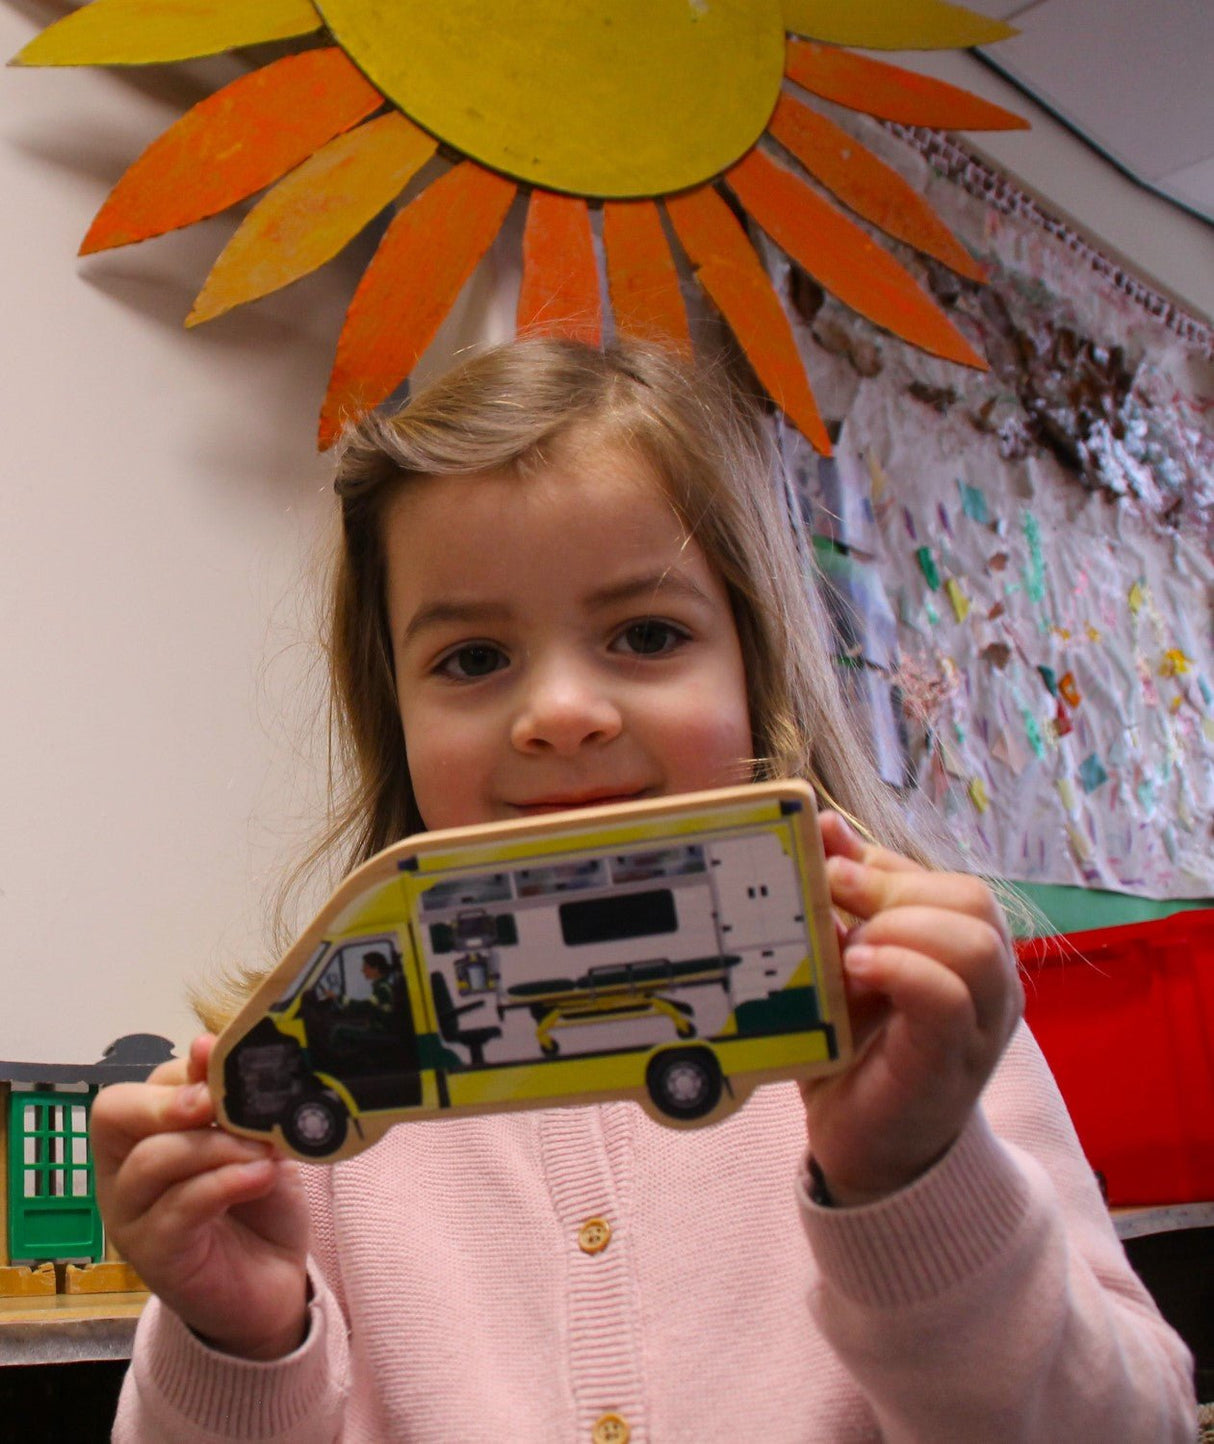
x=160, y=496
x=1160, y=242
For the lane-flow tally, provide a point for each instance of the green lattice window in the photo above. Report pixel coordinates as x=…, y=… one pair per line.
x=52, y=1204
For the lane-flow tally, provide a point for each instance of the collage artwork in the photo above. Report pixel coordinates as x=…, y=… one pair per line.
x=1018, y=562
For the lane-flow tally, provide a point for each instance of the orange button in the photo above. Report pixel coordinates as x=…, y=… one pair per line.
x=611, y=1429
x=594, y=1236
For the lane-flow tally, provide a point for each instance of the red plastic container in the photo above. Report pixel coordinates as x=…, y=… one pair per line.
x=1125, y=1017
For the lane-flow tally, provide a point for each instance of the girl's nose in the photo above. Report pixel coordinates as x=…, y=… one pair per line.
x=563, y=712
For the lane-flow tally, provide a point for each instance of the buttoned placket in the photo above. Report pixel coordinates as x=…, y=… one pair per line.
x=588, y=1160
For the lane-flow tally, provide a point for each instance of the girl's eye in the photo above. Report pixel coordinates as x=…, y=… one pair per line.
x=650, y=638
x=473, y=660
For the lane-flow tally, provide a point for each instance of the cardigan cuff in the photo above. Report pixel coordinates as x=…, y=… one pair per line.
x=196, y=1392
x=941, y=1229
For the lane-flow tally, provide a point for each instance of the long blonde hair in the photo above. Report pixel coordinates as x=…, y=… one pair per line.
x=515, y=409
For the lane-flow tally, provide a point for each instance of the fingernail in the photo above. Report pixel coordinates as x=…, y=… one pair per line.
x=193, y=1096
x=843, y=869
x=858, y=958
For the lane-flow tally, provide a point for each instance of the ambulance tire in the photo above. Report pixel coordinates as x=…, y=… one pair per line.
x=684, y=1083
x=316, y=1125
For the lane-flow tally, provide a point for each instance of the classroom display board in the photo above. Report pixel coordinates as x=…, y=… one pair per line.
x=1020, y=562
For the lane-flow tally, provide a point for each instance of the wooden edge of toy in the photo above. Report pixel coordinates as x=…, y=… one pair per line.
x=825, y=934
x=392, y=861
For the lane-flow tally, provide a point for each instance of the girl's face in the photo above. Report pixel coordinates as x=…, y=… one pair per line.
x=559, y=641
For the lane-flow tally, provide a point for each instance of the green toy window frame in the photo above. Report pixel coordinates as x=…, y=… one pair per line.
x=52, y=1202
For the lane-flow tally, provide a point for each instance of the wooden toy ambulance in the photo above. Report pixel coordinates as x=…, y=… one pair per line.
x=676, y=950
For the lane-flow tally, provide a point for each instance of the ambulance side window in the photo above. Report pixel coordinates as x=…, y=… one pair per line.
x=361, y=979
x=330, y=984
x=610, y=920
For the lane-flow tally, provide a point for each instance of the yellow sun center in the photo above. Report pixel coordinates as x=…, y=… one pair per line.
x=603, y=98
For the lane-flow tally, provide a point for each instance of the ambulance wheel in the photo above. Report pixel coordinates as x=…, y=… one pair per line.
x=316, y=1125
x=684, y=1083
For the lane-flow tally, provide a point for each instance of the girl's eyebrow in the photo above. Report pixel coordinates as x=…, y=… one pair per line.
x=438, y=614
x=650, y=584
x=664, y=582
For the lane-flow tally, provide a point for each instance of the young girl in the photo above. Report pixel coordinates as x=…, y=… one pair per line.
x=566, y=577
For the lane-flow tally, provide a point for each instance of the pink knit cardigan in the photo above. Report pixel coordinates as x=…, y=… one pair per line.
x=456, y=1300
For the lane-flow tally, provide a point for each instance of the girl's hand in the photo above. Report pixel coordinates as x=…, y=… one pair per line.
x=215, y=1225
x=933, y=994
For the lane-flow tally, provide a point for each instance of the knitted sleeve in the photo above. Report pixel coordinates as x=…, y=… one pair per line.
x=180, y=1389
x=991, y=1299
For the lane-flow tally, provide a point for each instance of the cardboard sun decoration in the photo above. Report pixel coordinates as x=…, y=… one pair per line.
x=645, y=106
x=678, y=950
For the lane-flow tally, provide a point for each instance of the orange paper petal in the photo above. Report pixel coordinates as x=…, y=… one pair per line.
x=891, y=93
x=844, y=259
x=867, y=185
x=641, y=275
x=232, y=144
x=313, y=212
x=560, y=290
x=426, y=255
x=729, y=270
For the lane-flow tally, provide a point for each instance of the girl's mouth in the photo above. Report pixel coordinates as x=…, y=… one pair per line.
x=567, y=802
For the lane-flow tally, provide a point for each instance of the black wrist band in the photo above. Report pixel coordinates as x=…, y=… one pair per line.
x=819, y=1193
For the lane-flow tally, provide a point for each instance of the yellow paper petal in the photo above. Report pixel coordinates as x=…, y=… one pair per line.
x=308, y=217
x=903, y=25
x=1138, y=595
x=978, y=794
x=142, y=32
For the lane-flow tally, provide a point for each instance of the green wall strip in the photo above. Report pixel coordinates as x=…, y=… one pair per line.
x=1076, y=909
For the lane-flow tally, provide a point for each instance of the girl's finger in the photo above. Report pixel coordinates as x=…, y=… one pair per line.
x=934, y=1000
x=200, y=1057
x=192, y=1204
x=867, y=1008
x=865, y=891
x=159, y=1164
x=126, y=1113
x=965, y=946
x=840, y=839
